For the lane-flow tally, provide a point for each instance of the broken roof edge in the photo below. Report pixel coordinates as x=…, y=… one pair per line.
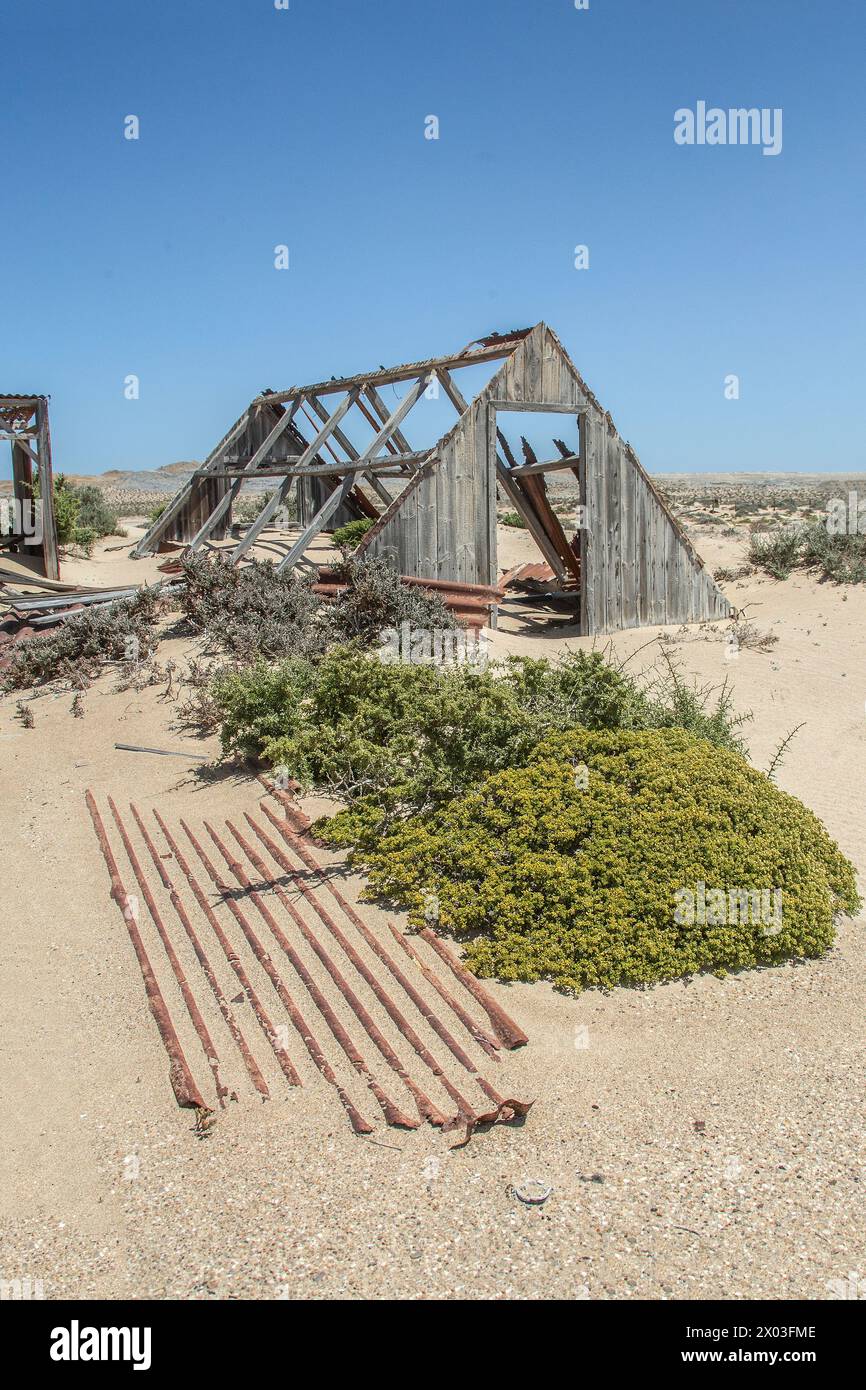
x=491, y=349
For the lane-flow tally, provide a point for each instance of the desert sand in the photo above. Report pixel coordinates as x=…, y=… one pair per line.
x=702, y=1138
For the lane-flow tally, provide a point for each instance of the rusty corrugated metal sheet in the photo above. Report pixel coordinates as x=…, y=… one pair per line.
x=471, y=604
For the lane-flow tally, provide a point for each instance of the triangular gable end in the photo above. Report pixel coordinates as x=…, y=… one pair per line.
x=637, y=566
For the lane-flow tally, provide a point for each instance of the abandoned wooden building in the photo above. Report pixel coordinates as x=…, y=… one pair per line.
x=28, y=524
x=434, y=509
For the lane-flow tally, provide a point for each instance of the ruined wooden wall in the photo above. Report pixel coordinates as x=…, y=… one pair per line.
x=637, y=566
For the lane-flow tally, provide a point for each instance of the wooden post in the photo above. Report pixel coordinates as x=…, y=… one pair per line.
x=50, y=558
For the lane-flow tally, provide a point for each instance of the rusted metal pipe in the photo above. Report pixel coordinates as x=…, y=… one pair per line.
x=375, y=946
x=463, y=1107
x=426, y=1109
x=300, y=821
x=392, y=1113
x=183, y=1084
x=378, y=949
x=253, y=1071
x=505, y=1028
x=177, y=969
x=359, y=1124
x=484, y=1039
x=261, y=1015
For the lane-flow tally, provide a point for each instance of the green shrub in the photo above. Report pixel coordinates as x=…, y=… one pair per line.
x=94, y=513
x=512, y=519
x=840, y=556
x=81, y=513
x=397, y=739
x=349, y=536
x=778, y=552
x=555, y=873
x=156, y=512
x=66, y=508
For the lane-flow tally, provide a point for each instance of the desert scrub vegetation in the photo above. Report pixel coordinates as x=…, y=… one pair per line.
x=840, y=557
x=250, y=612
x=78, y=648
x=395, y=740
x=376, y=600
x=512, y=519
x=349, y=537
x=569, y=868
x=82, y=514
x=253, y=613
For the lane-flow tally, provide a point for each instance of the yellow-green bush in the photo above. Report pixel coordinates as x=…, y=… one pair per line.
x=553, y=872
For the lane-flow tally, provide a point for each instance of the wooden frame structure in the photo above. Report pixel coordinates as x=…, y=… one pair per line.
x=631, y=563
x=24, y=425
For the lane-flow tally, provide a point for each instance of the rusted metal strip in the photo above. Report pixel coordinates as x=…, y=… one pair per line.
x=485, y=1040
x=359, y=1124
x=426, y=1108
x=392, y=1113
x=505, y=1109
x=250, y=1063
x=463, y=1107
x=261, y=1014
x=182, y=1081
x=177, y=969
x=377, y=948
x=299, y=821
x=505, y=1028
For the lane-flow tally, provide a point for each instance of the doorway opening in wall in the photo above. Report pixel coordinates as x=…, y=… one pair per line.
x=541, y=507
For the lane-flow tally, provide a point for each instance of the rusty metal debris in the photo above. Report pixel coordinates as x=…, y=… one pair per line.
x=508, y=1032
x=183, y=1085
x=250, y=1063
x=473, y=605
x=293, y=886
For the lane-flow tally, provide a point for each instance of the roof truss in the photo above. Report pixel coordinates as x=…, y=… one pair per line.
x=630, y=563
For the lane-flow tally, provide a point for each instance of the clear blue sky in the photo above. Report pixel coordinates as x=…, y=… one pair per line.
x=306, y=127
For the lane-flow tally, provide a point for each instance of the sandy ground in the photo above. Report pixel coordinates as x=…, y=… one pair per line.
x=702, y=1139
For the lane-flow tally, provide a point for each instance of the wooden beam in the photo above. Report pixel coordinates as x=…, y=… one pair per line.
x=381, y=410
x=50, y=556
x=272, y=507
x=225, y=503
x=511, y=488
x=330, y=470
x=19, y=441
x=405, y=372
x=566, y=462
x=545, y=407
x=348, y=447
x=319, y=521
x=339, y=494
x=453, y=392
